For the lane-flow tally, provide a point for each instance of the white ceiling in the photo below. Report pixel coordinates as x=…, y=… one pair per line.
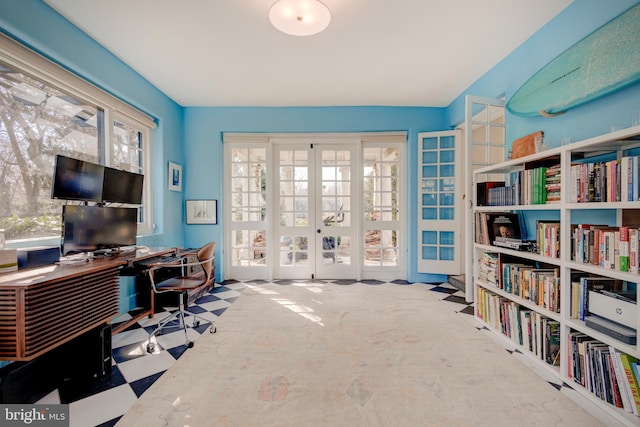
x=374, y=52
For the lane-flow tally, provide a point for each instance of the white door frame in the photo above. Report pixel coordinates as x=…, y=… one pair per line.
x=469, y=223
x=266, y=272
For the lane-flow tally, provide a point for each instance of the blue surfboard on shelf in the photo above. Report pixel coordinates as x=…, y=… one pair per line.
x=602, y=63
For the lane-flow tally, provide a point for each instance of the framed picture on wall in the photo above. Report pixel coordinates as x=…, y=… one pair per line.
x=175, y=177
x=202, y=211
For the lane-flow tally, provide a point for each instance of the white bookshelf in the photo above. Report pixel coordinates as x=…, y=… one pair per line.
x=615, y=144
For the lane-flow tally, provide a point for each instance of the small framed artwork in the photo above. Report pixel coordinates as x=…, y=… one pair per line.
x=202, y=211
x=175, y=177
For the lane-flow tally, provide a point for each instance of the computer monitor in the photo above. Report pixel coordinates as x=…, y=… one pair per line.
x=75, y=179
x=122, y=186
x=91, y=228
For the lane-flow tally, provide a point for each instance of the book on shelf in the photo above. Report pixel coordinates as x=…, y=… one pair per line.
x=574, y=309
x=552, y=342
x=525, y=322
x=633, y=250
x=628, y=404
x=506, y=225
x=623, y=248
x=626, y=361
x=572, y=364
x=635, y=369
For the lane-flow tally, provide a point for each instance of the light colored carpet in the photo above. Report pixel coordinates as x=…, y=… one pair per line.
x=359, y=355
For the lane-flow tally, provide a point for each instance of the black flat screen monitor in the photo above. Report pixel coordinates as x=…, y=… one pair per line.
x=90, y=228
x=122, y=186
x=75, y=179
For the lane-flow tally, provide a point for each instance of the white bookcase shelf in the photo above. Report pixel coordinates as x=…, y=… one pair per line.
x=489, y=297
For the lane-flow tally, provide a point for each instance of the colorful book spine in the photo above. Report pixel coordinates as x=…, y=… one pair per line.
x=624, y=249
x=633, y=250
x=626, y=361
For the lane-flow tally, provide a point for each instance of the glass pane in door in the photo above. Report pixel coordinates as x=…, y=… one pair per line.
x=381, y=206
x=295, y=227
x=440, y=222
x=248, y=207
x=335, y=205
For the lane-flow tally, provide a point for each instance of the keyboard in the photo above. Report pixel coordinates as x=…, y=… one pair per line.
x=166, y=259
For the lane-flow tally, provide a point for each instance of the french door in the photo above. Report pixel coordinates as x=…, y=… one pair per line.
x=440, y=213
x=315, y=233
x=485, y=144
x=317, y=206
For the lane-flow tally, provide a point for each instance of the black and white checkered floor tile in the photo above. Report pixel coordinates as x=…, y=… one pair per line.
x=134, y=370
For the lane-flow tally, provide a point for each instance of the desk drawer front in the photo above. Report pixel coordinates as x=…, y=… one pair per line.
x=61, y=310
x=8, y=323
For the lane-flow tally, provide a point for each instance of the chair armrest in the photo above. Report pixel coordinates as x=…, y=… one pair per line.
x=174, y=264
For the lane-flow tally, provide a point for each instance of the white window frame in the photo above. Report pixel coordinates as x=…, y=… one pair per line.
x=29, y=62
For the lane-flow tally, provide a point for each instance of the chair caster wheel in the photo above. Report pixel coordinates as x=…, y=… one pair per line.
x=150, y=348
x=190, y=344
x=196, y=323
x=213, y=330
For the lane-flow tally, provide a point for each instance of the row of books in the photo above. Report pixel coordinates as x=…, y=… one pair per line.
x=614, y=248
x=606, y=181
x=529, y=329
x=548, y=238
x=539, y=285
x=605, y=371
x=535, y=186
x=603, y=181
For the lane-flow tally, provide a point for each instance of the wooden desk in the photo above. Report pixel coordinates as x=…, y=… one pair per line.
x=44, y=307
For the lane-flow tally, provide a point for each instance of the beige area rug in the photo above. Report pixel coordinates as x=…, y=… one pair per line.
x=359, y=355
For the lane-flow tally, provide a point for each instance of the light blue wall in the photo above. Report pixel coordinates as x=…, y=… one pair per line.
x=204, y=127
x=36, y=25
x=574, y=23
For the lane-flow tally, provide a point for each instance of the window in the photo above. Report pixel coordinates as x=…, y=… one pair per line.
x=130, y=152
x=381, y=204
x=44, y=111
x=248, y=192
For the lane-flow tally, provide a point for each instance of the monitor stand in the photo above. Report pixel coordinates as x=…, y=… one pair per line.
x=75, y=259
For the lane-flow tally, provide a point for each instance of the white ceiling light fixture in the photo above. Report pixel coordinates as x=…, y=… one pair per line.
x=300, y=17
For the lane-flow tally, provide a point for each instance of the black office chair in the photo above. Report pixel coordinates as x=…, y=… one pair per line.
x=194, y=276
